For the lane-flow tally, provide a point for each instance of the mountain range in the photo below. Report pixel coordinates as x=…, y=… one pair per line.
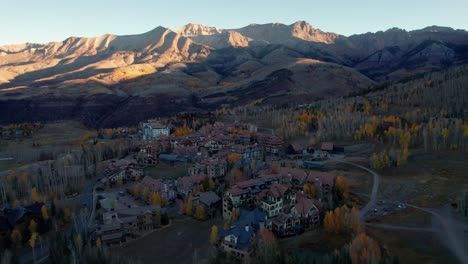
x=118, y=80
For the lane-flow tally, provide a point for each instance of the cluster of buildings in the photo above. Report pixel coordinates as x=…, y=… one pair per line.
x=122, y=170
x=120, y=226
x=275, y=201
x=213, y=141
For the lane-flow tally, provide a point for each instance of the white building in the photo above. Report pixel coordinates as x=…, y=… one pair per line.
x=153, y=129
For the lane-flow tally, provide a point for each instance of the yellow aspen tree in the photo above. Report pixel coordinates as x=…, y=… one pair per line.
x=214, y=235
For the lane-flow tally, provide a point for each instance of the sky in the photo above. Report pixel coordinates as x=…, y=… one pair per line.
x=55, y=20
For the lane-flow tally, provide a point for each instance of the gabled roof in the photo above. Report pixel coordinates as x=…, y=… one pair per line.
x=281, y=218
x=208, y=198
x=252, y=220
x=296, y=147
x=278, y=190
x=235, y=190
x=155, y=124
x=297, y=174
x=323, y=178
x=244, y=236
x=304, y=204
x=153, y=184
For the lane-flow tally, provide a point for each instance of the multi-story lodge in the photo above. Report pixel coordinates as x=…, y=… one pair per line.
x=278, y=194
x=214, y=168
x=243, y=194
x=123, y=169
x=165, y=189
x=272, y=144
x=238, y=239
x=123, y=225
x=246, y=152
x=278, y=199
x=153, y=129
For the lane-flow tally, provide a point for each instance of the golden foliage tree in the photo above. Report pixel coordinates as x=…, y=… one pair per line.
x=189, y=206
x=32, y=240
x=35, y=197
x=338, y=220
x=234, y=158
x=155, y=199
x=381, y=160
x=163, y=202
x=364, y=249
x=182, y=131
x=66, y=214
x=136, y=190
x=329, y=222
x=214, y=235
x=44, y=213
x=343, y=185
x=98, y=243
x=309, y=189
x=200, y=212
x=16, y=237
x=32, y=226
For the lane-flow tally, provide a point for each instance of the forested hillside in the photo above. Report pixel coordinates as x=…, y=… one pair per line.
x=427, y=112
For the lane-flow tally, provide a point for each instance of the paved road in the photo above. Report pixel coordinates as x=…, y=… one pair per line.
x=453, y=232
x=375, y=187
x=398, y=227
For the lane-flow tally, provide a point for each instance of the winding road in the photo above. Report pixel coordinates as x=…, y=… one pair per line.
x=452, y=232
x=375, y=187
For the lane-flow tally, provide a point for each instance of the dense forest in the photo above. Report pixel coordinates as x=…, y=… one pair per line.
x=428, y=112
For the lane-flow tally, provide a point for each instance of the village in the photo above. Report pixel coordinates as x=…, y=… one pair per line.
x=252, y=180
x=222, y=184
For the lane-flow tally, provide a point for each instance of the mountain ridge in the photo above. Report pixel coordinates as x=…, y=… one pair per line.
x=199, y=66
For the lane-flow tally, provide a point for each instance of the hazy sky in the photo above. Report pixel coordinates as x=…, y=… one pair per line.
x=54, y=20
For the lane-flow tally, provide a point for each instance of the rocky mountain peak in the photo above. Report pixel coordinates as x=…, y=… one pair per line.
x=191, y=30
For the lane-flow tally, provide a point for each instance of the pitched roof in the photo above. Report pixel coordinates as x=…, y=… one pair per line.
x=155, y=124
x=236, y=190
x=208, y=198
x=296, y=147
x=297, y=174
x=252, y=218
x=244, y=236
x=323, y=178
x=152, y=184
x=278, y=190
x=304, y=204
x=281, y=218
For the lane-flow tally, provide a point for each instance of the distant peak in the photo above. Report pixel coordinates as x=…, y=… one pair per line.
x=192, y=29
x=302, y=23
x=435, y=28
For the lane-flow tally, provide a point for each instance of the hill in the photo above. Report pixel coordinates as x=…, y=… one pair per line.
x=97, y=80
